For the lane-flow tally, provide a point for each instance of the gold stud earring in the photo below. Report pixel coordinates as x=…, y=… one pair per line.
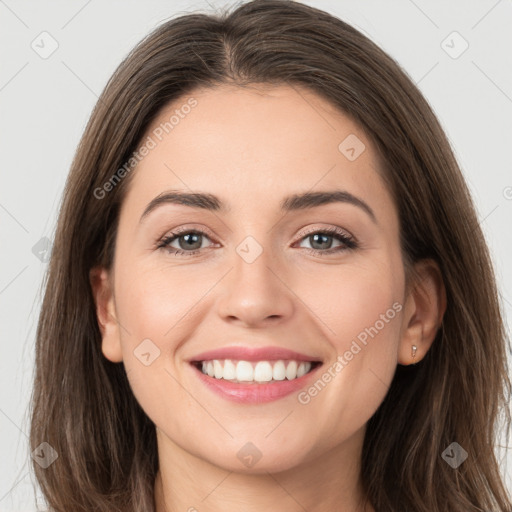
x=414, y=348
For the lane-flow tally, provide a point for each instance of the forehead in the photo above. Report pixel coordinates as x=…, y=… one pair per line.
x=248, y=144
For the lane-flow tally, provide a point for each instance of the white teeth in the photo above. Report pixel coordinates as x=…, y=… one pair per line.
x=291, y=370
x=229, y=370
x=244, y=371
x=261, y=371
x=279, y=371
x=217, y=369
x=301, y=370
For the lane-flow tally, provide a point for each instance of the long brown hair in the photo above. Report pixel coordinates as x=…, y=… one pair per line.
x=82, y=403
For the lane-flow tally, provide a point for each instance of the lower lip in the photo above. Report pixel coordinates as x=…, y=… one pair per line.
x=253, y=392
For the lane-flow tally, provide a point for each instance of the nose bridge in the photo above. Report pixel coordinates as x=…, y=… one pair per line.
x=254, y=290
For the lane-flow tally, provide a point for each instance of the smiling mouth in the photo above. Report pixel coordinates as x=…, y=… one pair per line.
x=255, y=372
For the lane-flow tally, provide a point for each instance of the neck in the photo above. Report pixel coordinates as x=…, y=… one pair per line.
x=331, y=481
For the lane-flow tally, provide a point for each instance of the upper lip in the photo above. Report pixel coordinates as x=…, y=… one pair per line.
x=253, y=354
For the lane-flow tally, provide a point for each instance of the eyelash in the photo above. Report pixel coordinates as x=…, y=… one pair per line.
x=348, y=241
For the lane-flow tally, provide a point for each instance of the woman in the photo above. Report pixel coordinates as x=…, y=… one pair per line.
x=268, y=288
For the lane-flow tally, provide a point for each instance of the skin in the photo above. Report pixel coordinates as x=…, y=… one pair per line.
x=266, y=143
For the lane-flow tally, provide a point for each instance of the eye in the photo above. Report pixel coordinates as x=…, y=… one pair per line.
x=321, y=241
x=189, y=242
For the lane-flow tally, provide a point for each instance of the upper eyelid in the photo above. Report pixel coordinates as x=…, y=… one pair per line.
x=204, y=230
x=176, y=232
x=333, y=230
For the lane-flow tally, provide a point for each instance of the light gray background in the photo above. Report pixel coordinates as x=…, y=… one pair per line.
x=45, y=103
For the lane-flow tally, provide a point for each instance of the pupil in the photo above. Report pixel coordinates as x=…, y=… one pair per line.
x=188, y=238
x=324, y=239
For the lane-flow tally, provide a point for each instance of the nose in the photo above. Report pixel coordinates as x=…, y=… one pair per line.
x=256, y=294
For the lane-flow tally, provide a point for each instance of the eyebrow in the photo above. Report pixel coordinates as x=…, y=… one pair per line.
x=290, y=203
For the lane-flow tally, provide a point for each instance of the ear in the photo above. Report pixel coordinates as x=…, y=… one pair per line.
x=424, y=309
x=103, y=293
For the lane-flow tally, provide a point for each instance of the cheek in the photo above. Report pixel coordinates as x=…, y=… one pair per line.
x=353, y=300
x=158, y=301
x=157, y=309
x=364, y=332
x=367, y=313
x=362, y=311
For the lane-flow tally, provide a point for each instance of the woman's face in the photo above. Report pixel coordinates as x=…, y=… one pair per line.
x=253, y=275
